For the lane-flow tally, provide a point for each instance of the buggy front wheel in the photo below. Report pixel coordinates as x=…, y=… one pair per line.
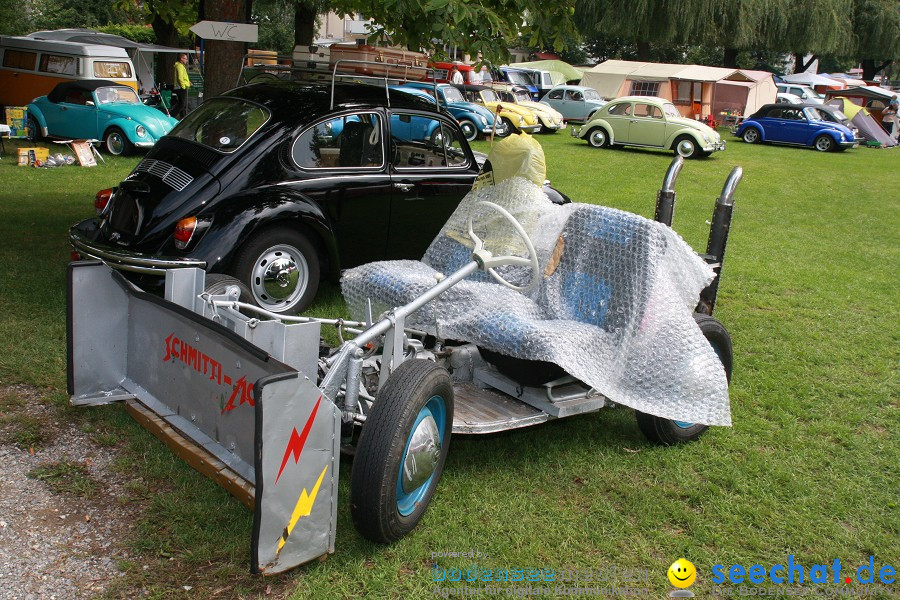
x=401, y=451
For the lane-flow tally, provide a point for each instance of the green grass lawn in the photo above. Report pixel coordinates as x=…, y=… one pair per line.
x=810, y=468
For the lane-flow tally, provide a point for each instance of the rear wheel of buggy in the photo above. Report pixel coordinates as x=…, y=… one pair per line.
x=401, y=451
x=668, y=431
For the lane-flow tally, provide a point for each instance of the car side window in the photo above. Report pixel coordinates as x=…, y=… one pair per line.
x=422, y=142
x=555, y=95
x=574, y=95
x=622, y=110
x=349, y=141
x=775, y=113
x=81, y=97
x=647, y=110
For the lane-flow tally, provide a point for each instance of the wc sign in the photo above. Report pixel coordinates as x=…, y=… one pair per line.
x=226, y=32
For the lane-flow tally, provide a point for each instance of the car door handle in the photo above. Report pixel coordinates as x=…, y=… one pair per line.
x=632, y=120
x=404, y=187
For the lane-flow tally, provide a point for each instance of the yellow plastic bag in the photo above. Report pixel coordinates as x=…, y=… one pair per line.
x=518, y=155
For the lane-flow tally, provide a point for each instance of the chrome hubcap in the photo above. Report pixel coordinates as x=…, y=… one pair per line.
x=280, y=277
x=422, y=455
x=115, y=144
x=685, y=148
x=822, y=144
x=469, y=131
x=750, y=136
x=598, y=138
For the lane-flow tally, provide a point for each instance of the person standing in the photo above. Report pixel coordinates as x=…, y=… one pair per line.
x=182, y=85
x=890, y=117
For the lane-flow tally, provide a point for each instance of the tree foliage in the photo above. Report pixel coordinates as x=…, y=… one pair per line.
x=478, y=28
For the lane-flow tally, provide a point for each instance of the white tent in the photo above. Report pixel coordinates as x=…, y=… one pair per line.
x=813, y=79
x=696, y=90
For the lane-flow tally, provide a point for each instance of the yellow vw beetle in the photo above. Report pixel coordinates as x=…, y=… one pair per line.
x=516, y=118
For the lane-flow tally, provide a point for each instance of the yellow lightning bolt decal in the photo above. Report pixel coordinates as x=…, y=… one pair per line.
x=302, y=509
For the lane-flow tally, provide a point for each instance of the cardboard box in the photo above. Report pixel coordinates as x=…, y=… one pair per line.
x=27, y=156
x=16, y=118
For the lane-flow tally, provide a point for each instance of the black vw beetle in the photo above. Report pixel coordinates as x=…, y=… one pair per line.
x=280, y=183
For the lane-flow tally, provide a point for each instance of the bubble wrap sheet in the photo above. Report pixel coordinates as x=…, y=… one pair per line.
x=613, y=307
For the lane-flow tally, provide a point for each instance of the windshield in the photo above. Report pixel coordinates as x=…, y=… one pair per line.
x=592, y=95
x=489, y=96
x=670, y=110
x=519, y=77
x=451, y=94
x=814, y=115
x=117, y=95
x=522, y=96
x=222, y=124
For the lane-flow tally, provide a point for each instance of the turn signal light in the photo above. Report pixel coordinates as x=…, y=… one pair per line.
x=101, y=200
x=184, y=231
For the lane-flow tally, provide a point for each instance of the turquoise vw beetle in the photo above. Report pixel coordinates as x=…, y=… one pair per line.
x=101, y=110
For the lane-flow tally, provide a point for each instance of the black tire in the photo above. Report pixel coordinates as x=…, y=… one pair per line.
x=116, y=142
x=598, y=137
x=470, y=131
x=273, y=285
x=218, y=283
x=509, y=128
x=668, y=432
x=384, y=511
x=34, y=130
x=824, y=143
x=524, y=372
x=751, y=135
x=686, y=146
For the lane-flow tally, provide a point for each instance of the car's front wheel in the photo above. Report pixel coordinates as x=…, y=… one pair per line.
x=470, y=132
x=598, y=138
x=401, y=451
x=687, y=147
x=824, y=143
x=751, y=135
x=281, y=268
x=34, y=130
x=117, y=143
x=508, y=128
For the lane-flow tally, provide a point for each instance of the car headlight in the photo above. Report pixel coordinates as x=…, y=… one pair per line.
x=521, y=120
x=483, y=121
x=140, y=131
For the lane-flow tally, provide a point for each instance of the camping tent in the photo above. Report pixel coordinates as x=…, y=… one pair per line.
x=566, y=71
x=696, y=90
x=141, y=54
x=869, y=129
x=814, y=81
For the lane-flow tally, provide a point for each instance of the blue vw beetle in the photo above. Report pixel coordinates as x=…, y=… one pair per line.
x=97, y=109
x=472, y=118
x=797, y=125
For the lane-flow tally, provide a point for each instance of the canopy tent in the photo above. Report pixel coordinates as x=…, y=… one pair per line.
x=847, y=80
x=813, y=80
x=136, y=50
x=697, y=90
x=567, y=71
x=869, y=129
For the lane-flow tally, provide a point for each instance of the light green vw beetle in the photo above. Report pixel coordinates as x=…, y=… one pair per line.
x=649, y=122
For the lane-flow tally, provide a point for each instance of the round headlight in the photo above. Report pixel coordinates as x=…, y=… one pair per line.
x=140, y=131
x=483, y=121
x=521, y=120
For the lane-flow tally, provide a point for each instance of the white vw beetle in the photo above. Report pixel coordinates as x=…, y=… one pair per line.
x=649, y=122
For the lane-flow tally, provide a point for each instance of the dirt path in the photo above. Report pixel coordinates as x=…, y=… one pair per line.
x=60, y=523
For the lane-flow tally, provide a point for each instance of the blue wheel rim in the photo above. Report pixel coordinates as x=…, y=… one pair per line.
x=437, y=410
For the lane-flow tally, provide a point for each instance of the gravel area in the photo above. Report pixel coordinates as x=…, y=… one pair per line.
x=56, y=544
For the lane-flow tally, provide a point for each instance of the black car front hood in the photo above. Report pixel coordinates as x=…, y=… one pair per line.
x=165, y=187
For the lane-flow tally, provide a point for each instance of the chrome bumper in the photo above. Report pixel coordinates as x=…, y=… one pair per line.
x=129, y=261
x=720, y=145
x=529, y=128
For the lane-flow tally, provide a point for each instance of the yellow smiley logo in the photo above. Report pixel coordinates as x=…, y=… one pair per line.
x=682, y=573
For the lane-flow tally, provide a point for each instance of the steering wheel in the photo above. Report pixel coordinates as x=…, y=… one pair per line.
x=488, y=262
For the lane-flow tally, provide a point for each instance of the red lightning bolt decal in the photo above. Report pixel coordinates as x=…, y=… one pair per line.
x=296, y=443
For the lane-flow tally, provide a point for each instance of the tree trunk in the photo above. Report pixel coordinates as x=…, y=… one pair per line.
x=167, y=35
x=224, y=60
x=729, y=58
x=871, y=68
x=799, y=65
x=304, y=23
x=643, y=51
